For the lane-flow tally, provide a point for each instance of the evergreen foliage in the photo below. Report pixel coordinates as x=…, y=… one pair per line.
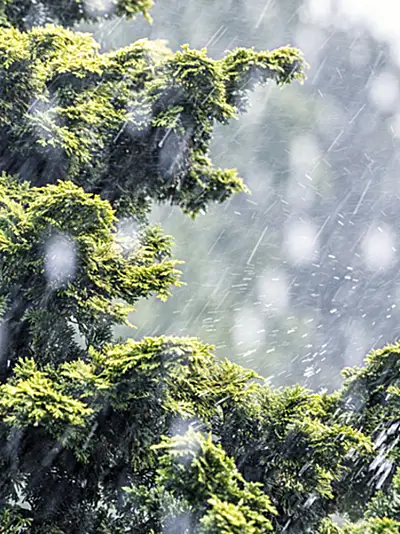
x=152, y=435
x=131, y=125
x=24, y=13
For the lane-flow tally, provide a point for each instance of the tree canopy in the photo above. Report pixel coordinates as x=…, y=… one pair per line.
x=24, y=14
x=150, y=435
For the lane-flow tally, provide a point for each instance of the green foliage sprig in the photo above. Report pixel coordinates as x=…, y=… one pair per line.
x=132, y=125
x=41, y=309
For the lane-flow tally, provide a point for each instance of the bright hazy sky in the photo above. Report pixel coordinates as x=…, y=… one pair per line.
x=381, y=16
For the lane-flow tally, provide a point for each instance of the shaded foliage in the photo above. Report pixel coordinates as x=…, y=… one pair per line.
x=24, y=14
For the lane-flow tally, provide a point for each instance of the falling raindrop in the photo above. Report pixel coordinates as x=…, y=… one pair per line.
x=60, y=260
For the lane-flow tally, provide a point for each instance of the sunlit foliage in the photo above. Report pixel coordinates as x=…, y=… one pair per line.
x=131, y=125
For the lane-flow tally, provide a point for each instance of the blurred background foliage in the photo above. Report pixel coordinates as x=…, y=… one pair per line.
x=300, y=278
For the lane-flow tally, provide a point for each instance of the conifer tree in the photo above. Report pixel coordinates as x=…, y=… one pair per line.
x=150, y=435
